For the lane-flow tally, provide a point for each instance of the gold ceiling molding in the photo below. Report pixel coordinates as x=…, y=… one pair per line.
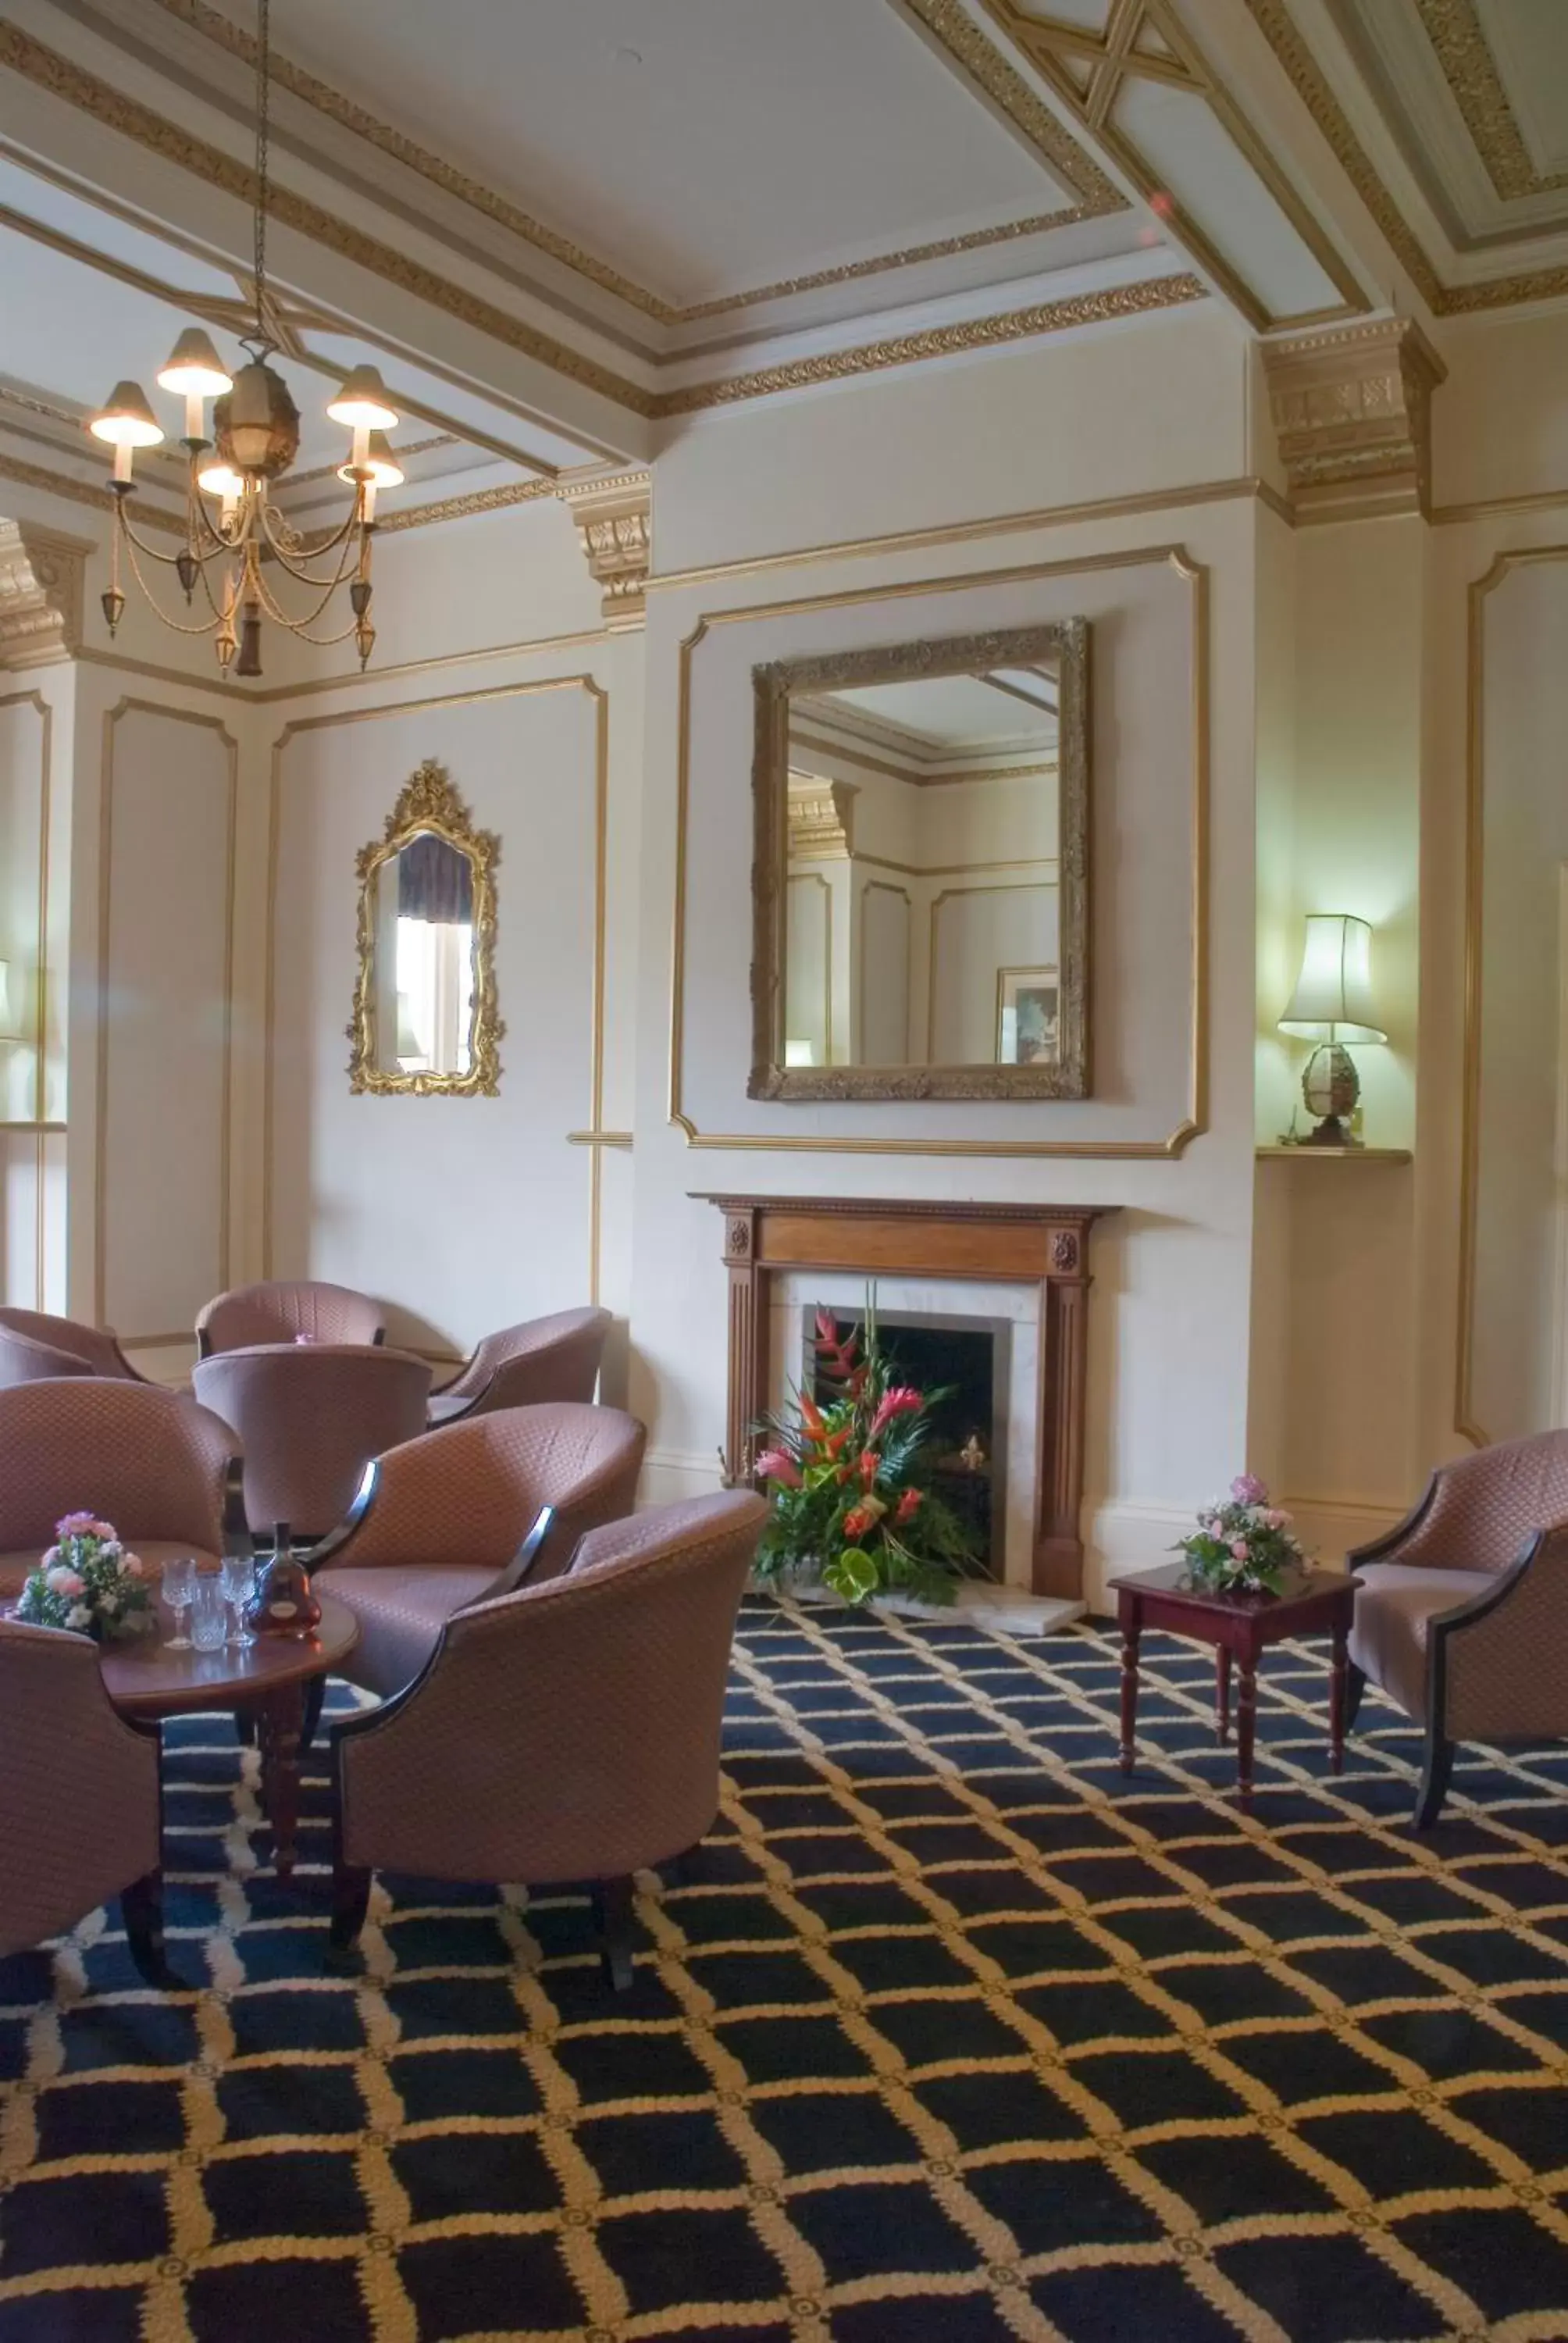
x=1273, y=20
x=983, y=64
x=939, y=341
x=481, y=501
x=1095, y=191
x=1352, y=411
x=821, y=820
x=40, y=595
x=1148, y=40
x=615, y=523
x=84, y=492
x=64, y=79
x=1469, y=69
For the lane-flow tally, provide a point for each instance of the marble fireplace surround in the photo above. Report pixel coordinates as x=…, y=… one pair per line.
x=1025, y=1262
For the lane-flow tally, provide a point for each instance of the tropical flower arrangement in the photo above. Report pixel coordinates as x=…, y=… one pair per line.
x=1242, y=1544
x=87, y=1582
x=850, y=1480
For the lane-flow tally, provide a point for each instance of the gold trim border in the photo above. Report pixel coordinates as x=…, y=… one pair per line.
x=40, y=1127
x=1195, y=1122
x=1469, y=69
x=1502, y=569
x=133, y=707
x=599, y=697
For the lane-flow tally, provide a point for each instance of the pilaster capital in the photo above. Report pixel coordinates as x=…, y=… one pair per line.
x=614, y=522
x=41, y=580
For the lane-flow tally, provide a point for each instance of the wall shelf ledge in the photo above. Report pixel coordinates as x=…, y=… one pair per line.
x=1336, y=1154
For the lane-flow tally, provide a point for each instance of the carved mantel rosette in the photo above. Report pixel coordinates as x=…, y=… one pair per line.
x=1352, y=410
x=40, y=595
x=614, y=521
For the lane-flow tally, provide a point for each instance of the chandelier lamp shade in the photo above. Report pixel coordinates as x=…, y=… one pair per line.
x=241, y=555
x=1331, y=1005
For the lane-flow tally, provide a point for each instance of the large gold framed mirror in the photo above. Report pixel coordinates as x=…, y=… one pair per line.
x=921, y=873
x=425, y=1018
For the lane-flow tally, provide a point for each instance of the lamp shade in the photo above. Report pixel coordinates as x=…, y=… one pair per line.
x=362, y=403
x=1333, y=1001
x=195, y=367
x=380, y=464
x=128, y=421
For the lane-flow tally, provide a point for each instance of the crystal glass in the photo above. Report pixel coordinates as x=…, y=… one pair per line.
x=238, y=1579
x=209, y=1625
x=178, y=1587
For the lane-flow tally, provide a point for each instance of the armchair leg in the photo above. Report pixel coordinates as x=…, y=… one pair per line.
x=142, y=1910
x=350, y=1903
x=614, y=1901
x=1434, y=1780
x=1355, y=1685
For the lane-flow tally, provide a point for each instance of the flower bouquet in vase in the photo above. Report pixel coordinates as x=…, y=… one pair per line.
x=1244, y=1544
x=849, y=1480
x=88, y=1582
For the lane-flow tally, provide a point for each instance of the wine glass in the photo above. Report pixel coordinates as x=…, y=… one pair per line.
x=179, y=1587
x=209, y=1626
x=237, y=1579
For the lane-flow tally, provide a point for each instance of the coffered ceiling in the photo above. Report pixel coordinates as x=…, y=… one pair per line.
x=563, y=228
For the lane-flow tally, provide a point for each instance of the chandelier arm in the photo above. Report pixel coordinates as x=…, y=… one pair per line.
x=174, y=625
x=275, y=608
x=328, y=544
x=129, y=534
x=328, y=585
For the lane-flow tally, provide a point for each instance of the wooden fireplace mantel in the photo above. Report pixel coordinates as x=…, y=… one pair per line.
x=1017, y=1244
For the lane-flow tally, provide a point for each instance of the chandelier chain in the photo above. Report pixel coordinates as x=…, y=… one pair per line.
x=263, y=85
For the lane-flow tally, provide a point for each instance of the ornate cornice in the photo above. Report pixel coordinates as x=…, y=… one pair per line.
x=84, y=492
x=1351, y=409
x=1469, y=69
x=614, y=522
x=40, y=595
x=821, y=820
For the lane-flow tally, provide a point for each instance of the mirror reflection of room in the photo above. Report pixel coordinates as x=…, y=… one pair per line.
x=922, y=898
x=425, y=950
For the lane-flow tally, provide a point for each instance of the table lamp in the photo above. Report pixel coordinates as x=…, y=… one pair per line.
x=1333, y=1004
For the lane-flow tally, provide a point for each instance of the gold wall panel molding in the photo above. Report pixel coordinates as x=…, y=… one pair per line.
x=1148, y=40
x=822, y=821
x=936, y=342
x=1095, y=192
x=1469, y=69
x=815, y=879
x=39, y=1126
x=1195, y=1121
x=112, y=718
x=599, y=698
x=885, y=887
x=1352, y=411
x=1465, y=1422
x=1274, y=21
x=614, y=521
x=40, y=595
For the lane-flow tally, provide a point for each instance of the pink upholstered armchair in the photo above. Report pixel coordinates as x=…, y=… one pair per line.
x=35, y=1345
x=523, y=1366
x=438, y=1520
x=153, y=1461
x=310, y=1419
x=282, y=1309
x=564, y=1732
x=1462, y=1618
x=80, y=1819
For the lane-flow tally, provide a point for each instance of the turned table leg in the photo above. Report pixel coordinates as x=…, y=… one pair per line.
x=282, y=1731
x=1130, y=1628
x=1338, y=1682
x=1246, y=1723
x=1221, y=1694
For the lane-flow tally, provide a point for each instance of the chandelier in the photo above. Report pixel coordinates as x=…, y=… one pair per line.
x=238, y=547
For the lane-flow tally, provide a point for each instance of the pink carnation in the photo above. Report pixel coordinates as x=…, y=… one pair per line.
x=1248, y=1489
x=1238, y=1550
x=778, y=1464
x=104, y=1530
x=66, y=1582
x=76, y=1525
x=131, y=1566
x=1275, y=1519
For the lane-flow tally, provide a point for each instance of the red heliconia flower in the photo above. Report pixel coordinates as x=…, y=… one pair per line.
x=908, y=1507
x=898, y=1399
x=778, y=1464
x=811, y=1416
x=834, y=1443
x=871, y=1463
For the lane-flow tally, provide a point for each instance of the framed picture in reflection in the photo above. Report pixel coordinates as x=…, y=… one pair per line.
x=1028, y=1016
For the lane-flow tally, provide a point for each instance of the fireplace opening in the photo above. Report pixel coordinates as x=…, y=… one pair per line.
x=969, y=1360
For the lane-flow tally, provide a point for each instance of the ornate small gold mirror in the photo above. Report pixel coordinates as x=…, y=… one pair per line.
x=425, y=1018
x=921, y=874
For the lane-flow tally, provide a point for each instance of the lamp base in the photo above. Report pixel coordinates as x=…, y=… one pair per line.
x=1329, y=1132
x=1330, y=1089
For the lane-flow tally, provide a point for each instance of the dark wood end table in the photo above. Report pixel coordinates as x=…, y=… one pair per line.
x=1238, y=1626
x=268, y=1680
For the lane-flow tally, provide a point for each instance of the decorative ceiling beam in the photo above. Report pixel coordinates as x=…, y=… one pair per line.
x=1352, y=412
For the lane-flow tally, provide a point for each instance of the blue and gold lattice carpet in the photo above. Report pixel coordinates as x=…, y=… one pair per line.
x=947, y=2034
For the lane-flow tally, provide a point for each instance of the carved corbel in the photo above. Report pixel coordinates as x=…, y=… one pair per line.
x=614, y=521
x=41, y=577
x=1352, y=411
x=821, y=820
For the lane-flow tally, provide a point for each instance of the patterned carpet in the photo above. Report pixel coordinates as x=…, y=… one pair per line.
x=949, y=2035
